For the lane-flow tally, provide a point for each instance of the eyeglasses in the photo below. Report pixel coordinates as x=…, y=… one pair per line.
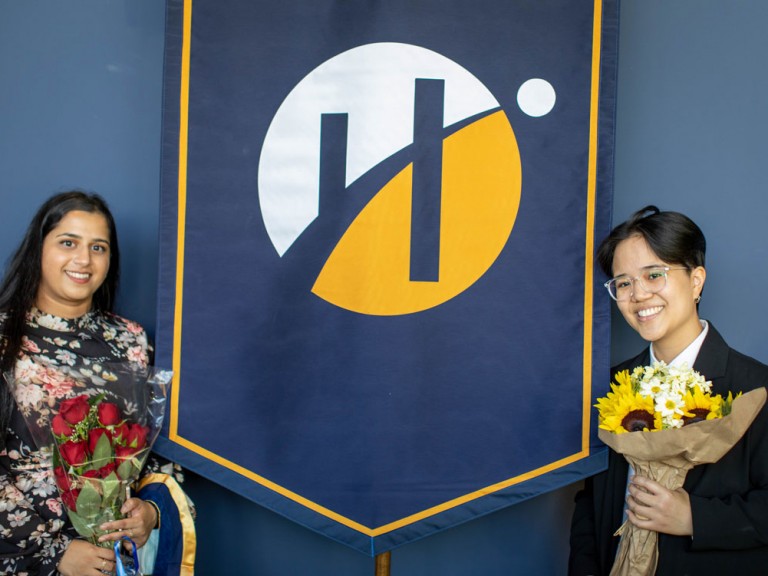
x=652, y=280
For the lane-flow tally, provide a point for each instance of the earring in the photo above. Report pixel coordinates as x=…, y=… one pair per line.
x=697, y=299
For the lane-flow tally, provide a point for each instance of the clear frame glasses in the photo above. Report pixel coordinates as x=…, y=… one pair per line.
x=652, y=280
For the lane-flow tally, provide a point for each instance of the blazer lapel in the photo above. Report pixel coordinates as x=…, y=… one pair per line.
x=710, y=363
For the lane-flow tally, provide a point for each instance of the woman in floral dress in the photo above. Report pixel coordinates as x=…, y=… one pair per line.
x=56, y=305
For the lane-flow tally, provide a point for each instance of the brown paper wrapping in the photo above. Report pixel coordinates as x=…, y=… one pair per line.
x=666, y=456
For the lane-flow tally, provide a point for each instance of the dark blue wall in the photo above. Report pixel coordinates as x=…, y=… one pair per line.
x=80, y=94
x=80, y=106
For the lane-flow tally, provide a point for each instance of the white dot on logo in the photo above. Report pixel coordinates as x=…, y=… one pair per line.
x=536, y=97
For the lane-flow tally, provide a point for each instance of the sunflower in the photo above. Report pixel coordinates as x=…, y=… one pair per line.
x=701, y=406
x=625, y=410
x=659, y=397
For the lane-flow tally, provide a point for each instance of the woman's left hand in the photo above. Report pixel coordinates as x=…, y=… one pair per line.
x=652, y=507
x=138, y=523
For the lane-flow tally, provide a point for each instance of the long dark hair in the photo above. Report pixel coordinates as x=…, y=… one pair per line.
x=672, y=236
x=18, y=290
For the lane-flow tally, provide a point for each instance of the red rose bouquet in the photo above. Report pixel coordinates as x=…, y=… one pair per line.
x=99, y=454
x=97, y=426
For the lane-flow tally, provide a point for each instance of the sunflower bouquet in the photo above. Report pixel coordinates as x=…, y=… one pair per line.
x=659, y=397
x=665, y=420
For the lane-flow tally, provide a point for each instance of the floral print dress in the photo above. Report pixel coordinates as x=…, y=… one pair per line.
x=34, y=529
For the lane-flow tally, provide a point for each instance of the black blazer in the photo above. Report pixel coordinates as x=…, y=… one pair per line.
x=729, y=499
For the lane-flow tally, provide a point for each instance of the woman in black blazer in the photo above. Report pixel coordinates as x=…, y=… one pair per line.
x=717, y=524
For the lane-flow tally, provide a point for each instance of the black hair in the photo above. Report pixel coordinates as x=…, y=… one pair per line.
x=18, y=290
x=672, y=236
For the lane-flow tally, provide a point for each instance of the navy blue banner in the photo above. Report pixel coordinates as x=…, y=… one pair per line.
x=377, y=287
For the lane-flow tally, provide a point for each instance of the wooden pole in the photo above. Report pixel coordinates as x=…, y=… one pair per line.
x=382, y=564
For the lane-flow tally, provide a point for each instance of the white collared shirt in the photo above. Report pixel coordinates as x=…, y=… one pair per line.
x=689, y=355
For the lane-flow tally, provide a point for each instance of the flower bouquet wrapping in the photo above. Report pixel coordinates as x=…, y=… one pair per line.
x=665, y=421
x=97, y=425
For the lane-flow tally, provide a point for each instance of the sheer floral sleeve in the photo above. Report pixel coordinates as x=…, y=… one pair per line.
x=33, y=524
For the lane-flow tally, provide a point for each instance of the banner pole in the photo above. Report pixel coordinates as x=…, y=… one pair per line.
x=382, y=564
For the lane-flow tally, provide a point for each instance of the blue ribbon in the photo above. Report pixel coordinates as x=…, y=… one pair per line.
x=120, y=570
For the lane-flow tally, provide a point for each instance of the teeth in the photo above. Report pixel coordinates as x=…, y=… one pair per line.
x=649, y=311
x=79, y=275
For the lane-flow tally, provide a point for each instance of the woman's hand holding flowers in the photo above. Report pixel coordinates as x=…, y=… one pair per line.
x=140, y=519
x=651, y=506
x=84, y=559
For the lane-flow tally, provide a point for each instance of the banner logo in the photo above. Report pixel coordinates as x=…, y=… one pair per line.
x=409, y=165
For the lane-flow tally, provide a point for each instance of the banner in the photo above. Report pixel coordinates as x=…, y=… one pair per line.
x=377, y=285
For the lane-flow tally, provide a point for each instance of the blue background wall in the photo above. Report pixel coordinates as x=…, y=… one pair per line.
x=80, y=106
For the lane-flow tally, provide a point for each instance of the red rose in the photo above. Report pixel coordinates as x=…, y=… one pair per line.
x=120, y=433
x=62, y=479
x=137, y=436
x=93, y=438
x=74, y=453
x=60, y=426
x=91, y=474
x=70, y=499
x=74, y=410
x=109, y=414
x=106, y=470
x=123, y=453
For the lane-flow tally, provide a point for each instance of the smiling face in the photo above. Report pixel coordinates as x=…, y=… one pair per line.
x=668, y=318
x=75, y=262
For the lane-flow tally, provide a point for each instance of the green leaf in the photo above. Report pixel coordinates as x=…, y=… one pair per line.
x=112, y=487
x=102, y=454
x=89, y=501
x=85, y=529
x=127, y=469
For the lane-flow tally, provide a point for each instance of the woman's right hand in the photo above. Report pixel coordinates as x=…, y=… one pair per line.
x=84, y=559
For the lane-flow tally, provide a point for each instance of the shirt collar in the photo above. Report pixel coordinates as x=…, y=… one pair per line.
x=36, y=317
x=689, y=355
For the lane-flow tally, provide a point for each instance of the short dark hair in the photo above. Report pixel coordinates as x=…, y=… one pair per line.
x=672, y=236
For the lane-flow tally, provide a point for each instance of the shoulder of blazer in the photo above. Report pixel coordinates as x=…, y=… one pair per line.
x=642, y=359
x=727, y=368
